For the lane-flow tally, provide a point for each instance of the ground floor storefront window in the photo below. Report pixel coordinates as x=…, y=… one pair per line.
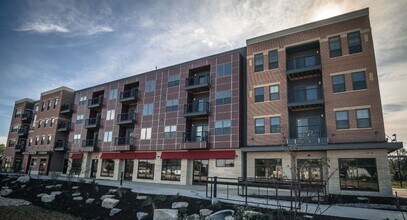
x=268, y=168
x=107, y=168
x=309, y=169
x=76, y=166
x=171, y=170
x=358, y=174
x=146, y=169
x=43, y=167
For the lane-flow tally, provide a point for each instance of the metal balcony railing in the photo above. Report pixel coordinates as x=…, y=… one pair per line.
x=195, y=136
x=89, y=143
x=304, y=62
x=60, y=145
x=66, y=108
x=64, y=126
x=196, y=82
x=126, y=118
x=305, y=94
x=196, y=108
x=118, y=141
x=95, y=102
x=129, y=95
x=92, y=122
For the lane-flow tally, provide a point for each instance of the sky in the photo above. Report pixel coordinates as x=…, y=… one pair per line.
x=45, y=44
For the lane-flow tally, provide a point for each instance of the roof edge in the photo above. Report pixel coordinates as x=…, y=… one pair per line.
x=62, y=88
x=24, y=100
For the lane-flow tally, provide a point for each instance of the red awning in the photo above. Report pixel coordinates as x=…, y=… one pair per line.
x=76, y=156
x=129, y=155
x=221, y=154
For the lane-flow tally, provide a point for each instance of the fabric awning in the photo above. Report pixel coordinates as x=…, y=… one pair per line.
x=129, y=155
x=221, y=154
x=76, y=156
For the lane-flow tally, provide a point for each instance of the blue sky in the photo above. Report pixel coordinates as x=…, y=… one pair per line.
x=47, y=44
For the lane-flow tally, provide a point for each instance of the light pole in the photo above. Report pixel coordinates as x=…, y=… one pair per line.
x=398, y=161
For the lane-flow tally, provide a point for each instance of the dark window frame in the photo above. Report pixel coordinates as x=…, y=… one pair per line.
x=223, y=130
x=149, y=166
x=259, y=129
x=223, y=97
x=338, y=87
x=108, y=163
x=340, y=123
x=354, y=48
x=258, y=67
x=275, y=129
x=273, y=63
x=262, y=166
x=360, y=121
x=350, y=181
x=169, y=170
x=275, y=95
x=225, y=162
x=173, y=80
x=224, y=69
x=337, y=52
x=258, y=98
x=171, y=107
x=359, y=84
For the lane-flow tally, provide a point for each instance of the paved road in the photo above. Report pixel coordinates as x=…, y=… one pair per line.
x=400, y=192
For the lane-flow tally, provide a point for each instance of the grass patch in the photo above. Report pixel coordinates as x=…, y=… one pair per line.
x=396, y=184
x=31, y=212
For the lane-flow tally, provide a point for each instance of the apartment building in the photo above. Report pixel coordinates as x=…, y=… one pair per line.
x=301, y=103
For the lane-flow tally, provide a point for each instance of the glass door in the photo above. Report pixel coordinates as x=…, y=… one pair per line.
x=43, y=167
x=128, y=169
x=94, y=168
x=200, y=171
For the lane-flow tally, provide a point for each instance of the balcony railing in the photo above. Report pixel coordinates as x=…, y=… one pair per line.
x=23, y=131
x=129, y=95
x=309, y=134
x=126, y=118
x=200, y=108
x=119, y=141
x=92, y=122
x=95, y=102
x=195, y=136
x=306, y=97
x=199, y=83
x=20, y=147
x=64, y=126
x=26, y=116
x=89, y=143
x=302, y=66
x=66, y=108
x=60, y=145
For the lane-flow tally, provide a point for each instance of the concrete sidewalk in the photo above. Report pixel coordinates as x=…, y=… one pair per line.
x=199, y=192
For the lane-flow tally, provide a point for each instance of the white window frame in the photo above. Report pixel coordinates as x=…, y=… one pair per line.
x=107, y=137
x=145, y=134
x=110, y=114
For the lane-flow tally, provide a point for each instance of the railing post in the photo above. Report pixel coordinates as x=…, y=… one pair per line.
x=121, y=178
x=215, y=187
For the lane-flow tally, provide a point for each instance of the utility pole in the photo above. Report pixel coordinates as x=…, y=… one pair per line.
x=398, y=162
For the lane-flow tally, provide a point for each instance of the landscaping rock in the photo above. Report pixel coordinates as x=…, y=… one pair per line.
x=6, y=192
x=23, y=186
x=58, y=185
x=47, y=198
x=13, y=202
x=13, y=182
x=114, y=211
x=109, y=203
x=89, y=201
x=141, y=215
x=56, y=193
x=229, y=217
x=23, y=179
x=76, y=194
x=4, y=187
x=141, y=197
x=177, y=205
x=112, y=191
x=49, y=187
x=41, y=194
x=194, y=217
x=315, y=199
x=221, y=214
x=205, y=212
x=78, y=198
x=75, y=187
x=106, y=196
x=168, y=214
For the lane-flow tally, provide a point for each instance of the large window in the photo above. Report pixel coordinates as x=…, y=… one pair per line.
x=275, y=125
x=358, y=174
x=146, y=169
x=258, y=62
x=223, y=97
x=259, y=125
x=49, y=104
x=82, y=100
x=342, y=120
x=354, y=43
x=150, y=86
x=18, y=113
x=110, y=114
x=14, y=128
x=170, y=131
x=145, y=134
x=171, y=170
x=55, y=103
x=268, y=168
x=76, y=139
x=359, y=81
x=222, y=127
x=107, y=168
x=75, y=166
x=273, y=59
x=363, y=118
x=112, y=94
x=309, y=169
x=173, y=80
x=274, y=92
x=259, y=94
x=335, y=48
x=225, y=162
x=79, y=119
x=43, y=106
x=148, y=109
x=338, y=83
x=107, y=137
x=224, y=69
x=171, y=105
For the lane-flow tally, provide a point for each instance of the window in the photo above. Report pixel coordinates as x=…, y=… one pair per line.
x=37, y=139
x=171, y=105
x=76, y=166
x=42, y=140
x=359, y=81
x=363, y=118
x=39, y=123
x=30, y=142
x=52, y=122
x=11, y=143
x=273, y=59
x=224, y=69
x=335, y=48
x=146, y=169
x=34, y=121
x=225, y=162
x=14, y=128
x=258, y=62
x=358, y=174
x=268, y=168
x=275, y=125
x=259, y=94
x=145, y=134
x=150, y=86
x=170, y=131
x=36, y=108
x=43, y=106
x=309, y=169
x=148, y=109
x=338, y=83
x=223, y=97
x=79, y=119
x=222, y=127
x=173, y=80
x=112, y=94
x=107, y=168
x=82, y=100
x=342, y=120
x=77, y=139
x=110, y=114
x=274, y=92
x=49, y=139
x=354, y=43
x=259, y=129
x=18, y=113
x=55, y=103
x=107, y=137
x=46, y=123
x=171, y=170
x=49, y=104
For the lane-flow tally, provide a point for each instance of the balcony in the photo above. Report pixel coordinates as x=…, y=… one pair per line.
x=89, y=145
x=64, y=126
x=196, y=109
x=60, y=145
x=123, y=143
x=92, y=123
x=66, y=109
x=198, y=84
x=26, y=117
x=308, y=134
x=195, y=140
x=302, y=67
x=20, y=147
x=23, y=132
x=305, y=98
x=129, y=96
x=126, y=118
x=95, y=103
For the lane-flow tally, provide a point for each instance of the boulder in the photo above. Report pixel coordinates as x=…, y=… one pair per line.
x=205, y=212
x=177, y=205
x=48, y=198
x=4, y=187
x=49, y=187
x=221, y=214
x=141, y=215
x=78, y=198
x=141, y=197
x=168, y=214
x=89, y=201
x=41, y=194
x=56, y=193
x=6, y=192
x=109, y=203
x=76, y=194
x=106, y=196
x=229, y=217
x=58, y=185
x=114, y=211
x=13, y=182
x=194, y=217
x=75, y=187
x=23, y=179
x=112, y=191
x=23, y=186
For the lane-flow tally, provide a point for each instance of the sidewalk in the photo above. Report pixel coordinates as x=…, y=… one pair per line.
x=199, y=192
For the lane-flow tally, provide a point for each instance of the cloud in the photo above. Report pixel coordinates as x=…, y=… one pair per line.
x=42, y=28
x=3, y=140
